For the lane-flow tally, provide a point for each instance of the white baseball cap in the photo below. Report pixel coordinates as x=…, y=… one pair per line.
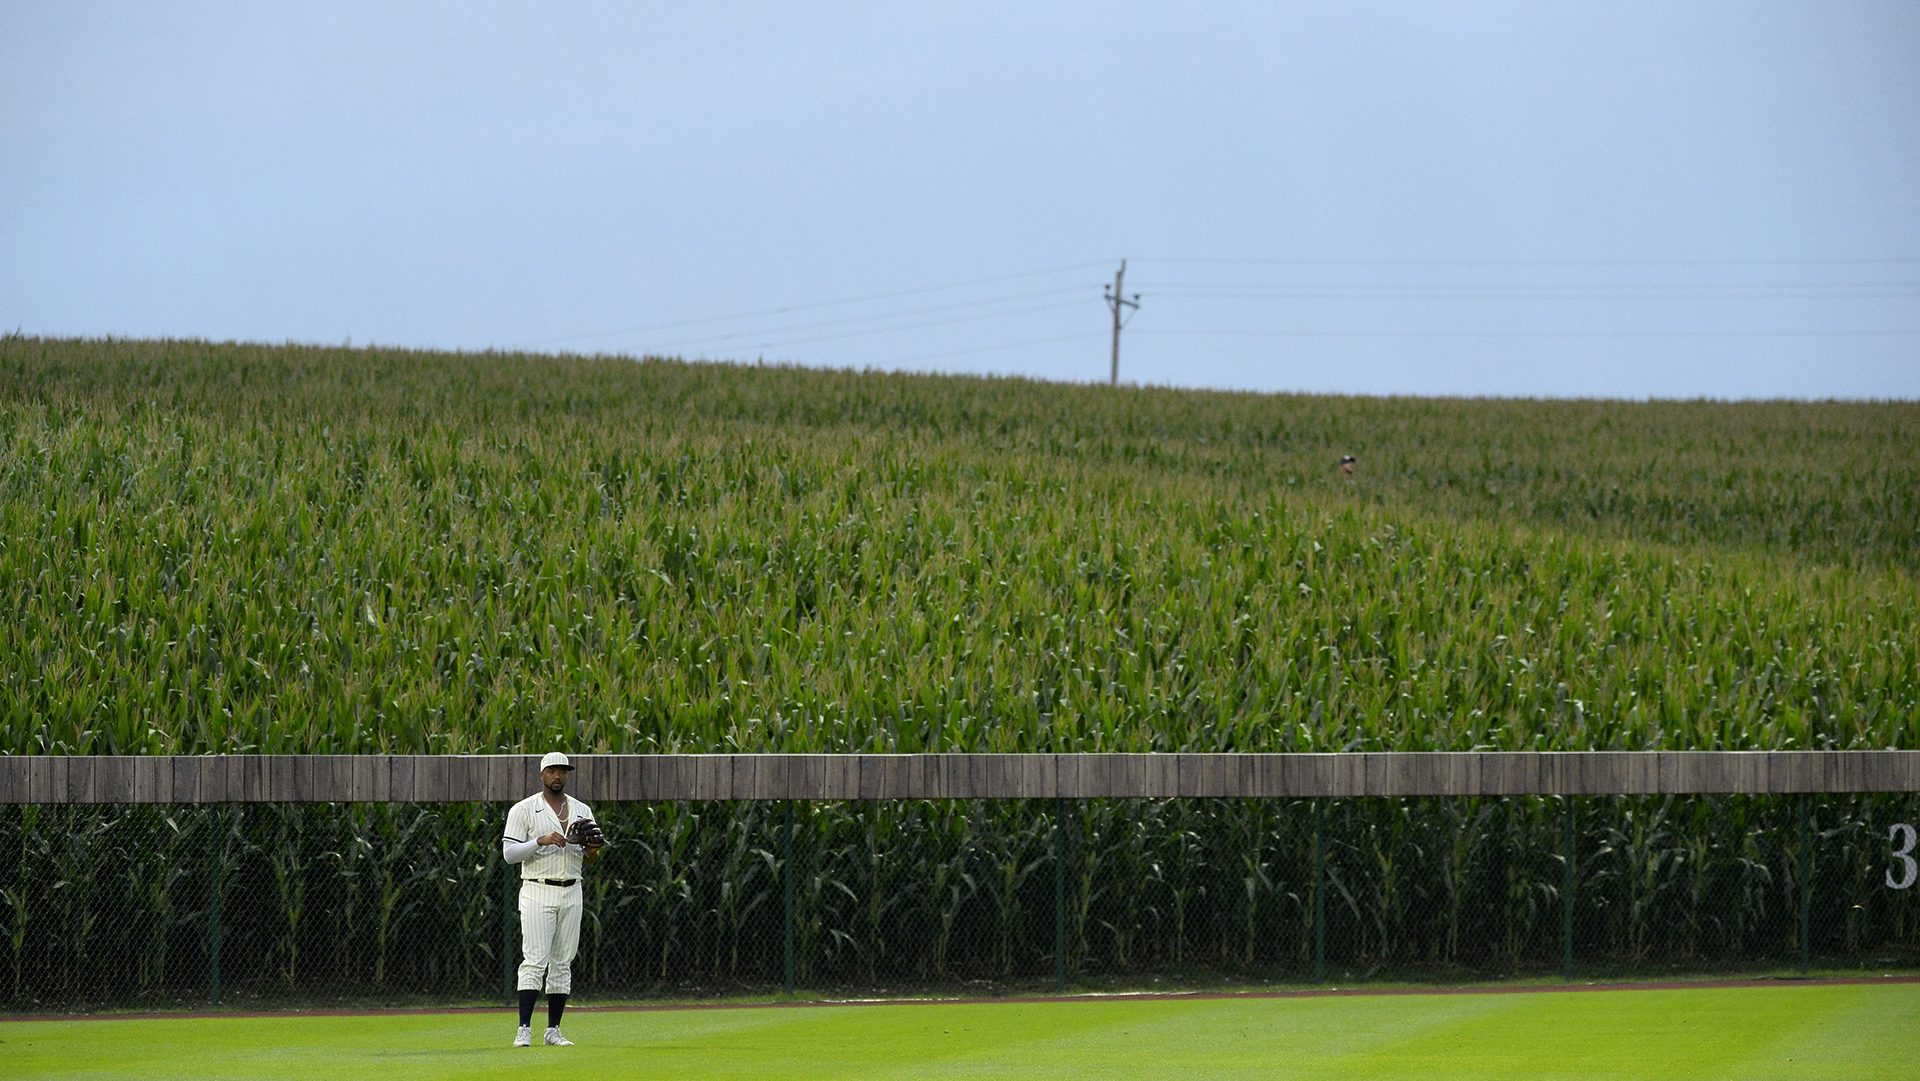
x=555, y=760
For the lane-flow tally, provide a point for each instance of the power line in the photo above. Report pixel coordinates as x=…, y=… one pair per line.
x=1544, y=293
x=1537, y=286
x=1608, y=280
x=855, y=319
x=908, y=326
x=1002, y=346
x=1892, y=261
x=1205, y=333
x=808, y=306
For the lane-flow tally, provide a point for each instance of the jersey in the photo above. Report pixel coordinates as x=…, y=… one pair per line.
x=531, y=818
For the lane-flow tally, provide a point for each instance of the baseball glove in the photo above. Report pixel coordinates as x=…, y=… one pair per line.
x=583, y=831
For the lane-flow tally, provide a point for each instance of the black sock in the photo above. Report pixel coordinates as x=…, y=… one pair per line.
x=556, y=1005
x=526, y=1007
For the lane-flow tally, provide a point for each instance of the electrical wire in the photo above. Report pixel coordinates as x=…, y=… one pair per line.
x=1491, y=298
x=1300, y=288
x=1507, y=290
x=903, y=326
x=903, y=314
x=1000, y=347
x=1209, y=333
x=1894, y=261
x=807, y=306
x=1484, y=293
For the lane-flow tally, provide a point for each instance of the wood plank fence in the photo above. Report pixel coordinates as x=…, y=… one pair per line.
x=45, y=779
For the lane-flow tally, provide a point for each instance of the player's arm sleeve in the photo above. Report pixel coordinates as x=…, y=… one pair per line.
x=516, y=846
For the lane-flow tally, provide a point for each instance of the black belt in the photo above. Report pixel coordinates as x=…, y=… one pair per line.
x=554, y=881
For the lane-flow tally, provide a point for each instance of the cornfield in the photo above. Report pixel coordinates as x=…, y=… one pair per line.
x=248, y=549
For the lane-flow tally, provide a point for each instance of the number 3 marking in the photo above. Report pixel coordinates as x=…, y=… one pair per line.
x=1903, y=853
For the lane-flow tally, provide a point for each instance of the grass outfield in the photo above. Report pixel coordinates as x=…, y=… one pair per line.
x=1855, y=1032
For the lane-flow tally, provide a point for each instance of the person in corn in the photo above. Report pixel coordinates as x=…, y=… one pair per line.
x=550, y=869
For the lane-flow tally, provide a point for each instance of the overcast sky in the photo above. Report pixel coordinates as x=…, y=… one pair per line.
x=1531, y=198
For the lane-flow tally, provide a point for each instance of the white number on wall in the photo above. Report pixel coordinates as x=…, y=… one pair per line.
x=1903, y=837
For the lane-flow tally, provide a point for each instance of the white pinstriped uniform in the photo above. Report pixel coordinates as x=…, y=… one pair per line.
x=549, y=914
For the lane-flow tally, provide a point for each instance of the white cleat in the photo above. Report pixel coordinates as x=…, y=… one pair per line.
x=524, y=1037
x=554, y=1039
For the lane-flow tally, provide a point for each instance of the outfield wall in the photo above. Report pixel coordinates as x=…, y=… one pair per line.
x=97, y=779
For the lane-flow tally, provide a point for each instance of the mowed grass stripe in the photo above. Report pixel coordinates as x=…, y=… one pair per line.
x=1230, y=1038
x=1842, y=1036
x=1735, y=1032
x=1859, y=1033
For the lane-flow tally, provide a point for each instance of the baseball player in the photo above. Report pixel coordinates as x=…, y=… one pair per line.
x=550, y=858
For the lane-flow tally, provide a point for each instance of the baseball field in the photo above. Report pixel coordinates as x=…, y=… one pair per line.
x=1851, y=1031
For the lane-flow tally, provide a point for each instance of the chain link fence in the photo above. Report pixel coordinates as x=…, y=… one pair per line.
x=112, y=906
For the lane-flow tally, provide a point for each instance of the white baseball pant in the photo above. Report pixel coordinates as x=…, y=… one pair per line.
x=549, y=936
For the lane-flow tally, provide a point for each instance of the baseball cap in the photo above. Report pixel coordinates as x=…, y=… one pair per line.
x=555, y=759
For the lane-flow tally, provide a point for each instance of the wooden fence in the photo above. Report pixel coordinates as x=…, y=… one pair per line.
x=451, y=778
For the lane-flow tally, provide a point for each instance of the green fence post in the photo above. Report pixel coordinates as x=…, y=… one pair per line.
x=1320, y=891
x=786, y=872
x=1566, y=895
x=1060, y=895
x=213, y=909
x=1806, y=884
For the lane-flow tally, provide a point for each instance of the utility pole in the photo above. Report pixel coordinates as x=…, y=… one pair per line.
x=1117, y=301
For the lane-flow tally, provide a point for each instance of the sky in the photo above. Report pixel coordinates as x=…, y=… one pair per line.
x=1533, y=198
